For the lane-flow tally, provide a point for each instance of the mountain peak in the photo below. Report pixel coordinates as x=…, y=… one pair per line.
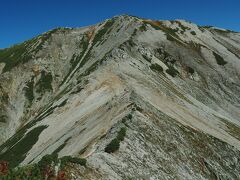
x=123, y=90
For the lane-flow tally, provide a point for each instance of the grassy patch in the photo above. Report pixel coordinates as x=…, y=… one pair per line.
x=22, y=53
x=100, y=34
x=14, y=55
x=20, y=145
x=29, y=90
x=69, y=159
x=45, y=82
x=76, y=59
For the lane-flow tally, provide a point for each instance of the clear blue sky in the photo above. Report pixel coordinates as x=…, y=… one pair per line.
x=24, y=19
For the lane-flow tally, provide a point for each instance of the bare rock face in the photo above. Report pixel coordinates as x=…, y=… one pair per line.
x=172, y=86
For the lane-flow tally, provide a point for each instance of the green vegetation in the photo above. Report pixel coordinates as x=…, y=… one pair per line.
x=44, y=37
x=29, y=90
x=30, y=172
x=156, y=67
x=76, y=59
x=206, y=26
x=129, y=116
x=3, y=118
x=184, y=28
x=14, y=55
x=131, y=42
x=134, y=32
x=53, y=159
x=45, y=83
x=115, y=143
x=22, y=53
x=219, y=59
x=172, y=71
x=143, y=28
x=61, y=146
x=147, y=58
x=19, y=146
x=190, y=70
x=69, y=159
x=163, y=52
x=193, y=33
x=113, y=146
x=106, y=28
x=121, y=134
x=47, y=160
x=137, y=108
x=169, y=32
x=89, y=69
x=44, y=169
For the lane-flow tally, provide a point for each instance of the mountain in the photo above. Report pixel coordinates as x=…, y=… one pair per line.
x=136, y=98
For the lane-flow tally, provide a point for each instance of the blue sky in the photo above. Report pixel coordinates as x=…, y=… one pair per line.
x=24, y=19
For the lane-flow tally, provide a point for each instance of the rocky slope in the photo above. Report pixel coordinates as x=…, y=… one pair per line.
x=174, y=86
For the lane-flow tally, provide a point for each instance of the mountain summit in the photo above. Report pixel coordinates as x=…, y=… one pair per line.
x=135, y=98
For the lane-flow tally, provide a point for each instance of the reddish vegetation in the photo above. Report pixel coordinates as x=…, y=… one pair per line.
x=61, y=175
x=3, y=168
x=48, y=172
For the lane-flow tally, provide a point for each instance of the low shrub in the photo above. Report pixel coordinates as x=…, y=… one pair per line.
x=143, y=28
x=129, y=116
x=47, y=160
x=193, y=33
x=113, y=146
x=69, y=159
x=115, y=143
x=156, y=67
x=172, y=71
x=147, y=58
x=139, y=109
x=219, y=59
x=190, y=70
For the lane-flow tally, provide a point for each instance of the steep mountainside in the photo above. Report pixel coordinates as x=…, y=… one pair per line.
x=172, y=86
